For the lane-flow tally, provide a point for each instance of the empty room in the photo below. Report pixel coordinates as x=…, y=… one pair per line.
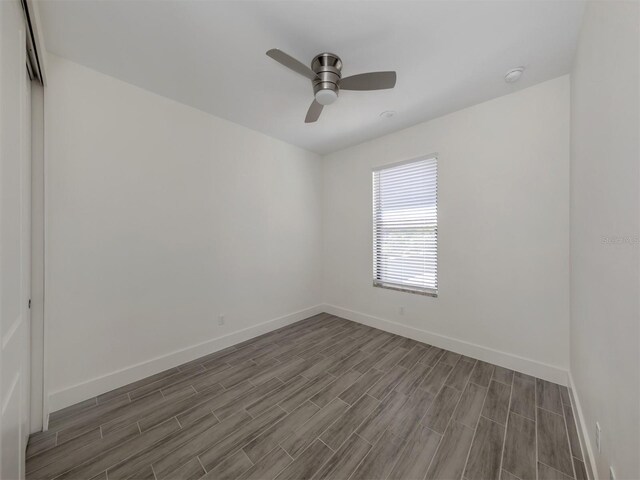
x=314, y=239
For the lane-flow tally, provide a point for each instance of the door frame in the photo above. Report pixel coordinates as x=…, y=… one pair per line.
x=38, y=404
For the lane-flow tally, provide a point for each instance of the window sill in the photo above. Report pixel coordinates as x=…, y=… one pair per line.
x=426, y=293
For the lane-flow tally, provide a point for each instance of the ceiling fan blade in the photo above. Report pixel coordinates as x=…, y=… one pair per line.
x=369, y=81
x=290, y=62
x=314, y=112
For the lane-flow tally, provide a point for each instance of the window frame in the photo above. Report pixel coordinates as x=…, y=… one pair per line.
x=429, y=292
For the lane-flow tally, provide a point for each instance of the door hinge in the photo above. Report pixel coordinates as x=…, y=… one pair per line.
x=29, y=303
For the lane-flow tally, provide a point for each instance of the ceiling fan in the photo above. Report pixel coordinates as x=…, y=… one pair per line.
x=326, y=76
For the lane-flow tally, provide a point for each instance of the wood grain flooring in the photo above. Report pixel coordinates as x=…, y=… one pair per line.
x=324, y=398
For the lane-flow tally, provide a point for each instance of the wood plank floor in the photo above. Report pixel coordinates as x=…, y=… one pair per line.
x=324, y=398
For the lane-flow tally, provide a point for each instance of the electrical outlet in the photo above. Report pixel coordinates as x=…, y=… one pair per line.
x=220, y=319
x=598, y=432
x=612, y=474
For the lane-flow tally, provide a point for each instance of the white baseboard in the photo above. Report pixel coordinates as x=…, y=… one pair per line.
x=545, y=371
x=583, y=432
x=96, y=386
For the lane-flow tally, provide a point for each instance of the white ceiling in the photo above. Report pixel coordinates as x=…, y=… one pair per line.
x=211, y=55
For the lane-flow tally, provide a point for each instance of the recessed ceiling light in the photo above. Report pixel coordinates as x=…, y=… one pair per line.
x=388, y=113
x=513, y=75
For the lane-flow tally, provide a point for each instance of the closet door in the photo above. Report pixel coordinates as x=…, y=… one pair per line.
x=14, y=241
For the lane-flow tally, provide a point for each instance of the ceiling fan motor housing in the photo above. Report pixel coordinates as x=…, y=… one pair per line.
x=328, y=67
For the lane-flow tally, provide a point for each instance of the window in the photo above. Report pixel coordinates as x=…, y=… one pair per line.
x=405, y=226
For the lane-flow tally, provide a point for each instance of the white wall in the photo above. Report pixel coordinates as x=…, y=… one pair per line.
x=159, y=218
x=605, y=229
x=503, y=228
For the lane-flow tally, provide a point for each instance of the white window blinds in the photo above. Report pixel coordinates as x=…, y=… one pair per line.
x=405, y=226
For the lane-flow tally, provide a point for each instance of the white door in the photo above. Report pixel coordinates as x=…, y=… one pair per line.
x=14, y=241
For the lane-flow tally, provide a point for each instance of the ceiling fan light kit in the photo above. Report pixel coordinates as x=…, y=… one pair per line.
x=326, y=96
x=326, y=78
x=327, y=67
